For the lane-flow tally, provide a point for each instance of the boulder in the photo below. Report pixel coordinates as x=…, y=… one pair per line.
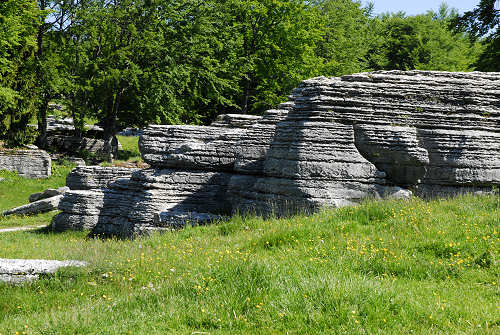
x=179, y=219
x=74, y=145
x=190, y=147
x=95, y=177
x=133, y=202
x=61, y=138
x=235, y=120
x=26, y=162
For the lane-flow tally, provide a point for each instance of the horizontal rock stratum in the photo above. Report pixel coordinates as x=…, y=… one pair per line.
x=336, y=142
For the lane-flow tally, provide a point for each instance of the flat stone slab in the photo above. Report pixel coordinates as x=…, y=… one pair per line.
x=40, y=206
x=27, y=270
x=14, y=229
x=48, y=193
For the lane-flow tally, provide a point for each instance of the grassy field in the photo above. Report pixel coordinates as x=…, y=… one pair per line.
x=388, y=267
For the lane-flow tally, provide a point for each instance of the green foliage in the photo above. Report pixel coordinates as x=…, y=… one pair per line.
x=132, y=63
x=483, y=23
x=18, y=19
x=346, y=37
x=386, y=267
x=421, y=42
x=276, y=49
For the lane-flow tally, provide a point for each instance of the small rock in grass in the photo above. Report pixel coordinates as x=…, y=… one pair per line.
x=48, y=193
x=28, y=270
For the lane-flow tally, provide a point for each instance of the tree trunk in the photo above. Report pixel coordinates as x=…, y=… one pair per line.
x=110, y=142
x=246, y=96
x=42, y=110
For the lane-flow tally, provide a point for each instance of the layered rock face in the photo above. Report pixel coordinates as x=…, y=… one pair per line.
x=27, y=163
x=336, y=142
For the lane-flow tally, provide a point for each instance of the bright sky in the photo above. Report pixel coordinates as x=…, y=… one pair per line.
x=412, y=7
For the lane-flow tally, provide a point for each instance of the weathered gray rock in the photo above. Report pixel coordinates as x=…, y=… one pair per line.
x=415, y=156
x=56, y=125
x=40, y=206
x=132, y=202
x=76, y=160
x=48, y=193
x=255, y=142
x=190, y=147
x=27, y=163
x=235, y=120
x=95, y=177
x=179, y=219
x=76, y=145
x=27, y=270
x=336, y=142
x=131, y=132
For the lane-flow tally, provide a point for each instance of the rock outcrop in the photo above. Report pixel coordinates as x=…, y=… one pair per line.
x=336, y=142
x=29, y=163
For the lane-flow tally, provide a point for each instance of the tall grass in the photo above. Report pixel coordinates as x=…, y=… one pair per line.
x=389, y=267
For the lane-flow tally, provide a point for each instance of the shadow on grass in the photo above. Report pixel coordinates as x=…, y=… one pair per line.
x=125, y=155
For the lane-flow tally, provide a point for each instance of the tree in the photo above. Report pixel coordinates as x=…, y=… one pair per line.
x=18, y=22
x=346, y=37
x=149, y=61
x=51, y=78
x=483, y=24
x=277, y=41
x=422, y=42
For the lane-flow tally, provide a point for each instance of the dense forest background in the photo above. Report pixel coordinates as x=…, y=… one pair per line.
x=136, y=62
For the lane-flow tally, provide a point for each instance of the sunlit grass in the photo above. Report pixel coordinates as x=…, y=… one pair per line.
x=383, y=267
x=130, y=150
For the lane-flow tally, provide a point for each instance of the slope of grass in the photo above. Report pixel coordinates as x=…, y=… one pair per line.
x=381, y=268
x=15, y=191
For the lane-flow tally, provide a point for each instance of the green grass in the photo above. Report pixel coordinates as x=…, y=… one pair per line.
x=15, y=191
x=390, y=267
x=130, y=149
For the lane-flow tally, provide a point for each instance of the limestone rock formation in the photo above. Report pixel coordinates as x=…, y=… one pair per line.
x=95, y=177
x=27, y=162
x=235, y=120
x=336, y=142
